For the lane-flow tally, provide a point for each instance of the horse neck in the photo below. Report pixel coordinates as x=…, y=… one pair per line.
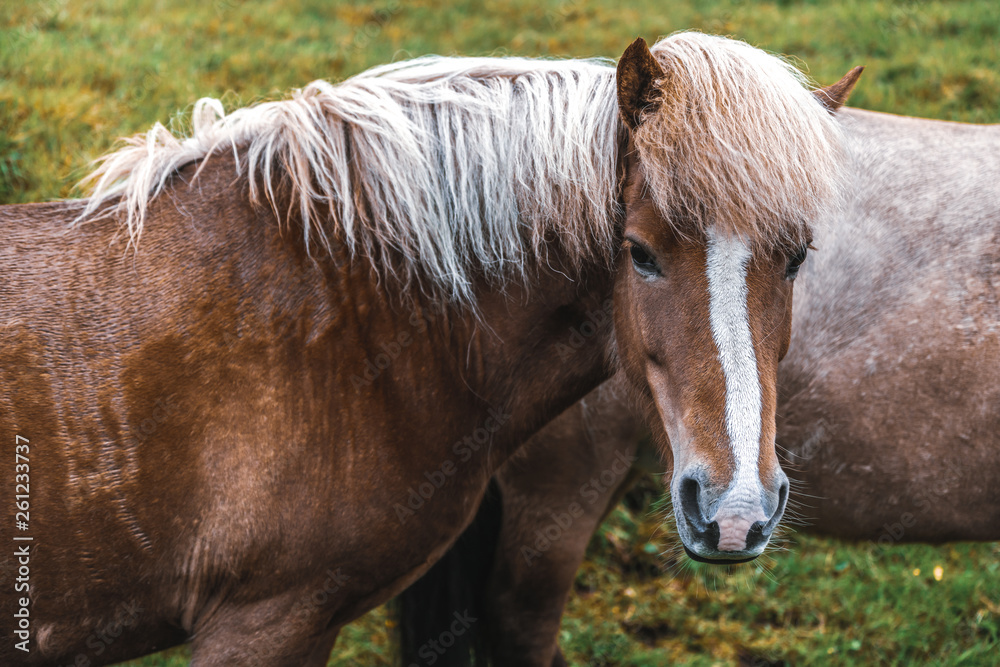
x=511, y=363
x=541, y=348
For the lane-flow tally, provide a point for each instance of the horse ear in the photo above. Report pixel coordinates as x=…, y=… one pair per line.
x=636, y=78
x=833, y=97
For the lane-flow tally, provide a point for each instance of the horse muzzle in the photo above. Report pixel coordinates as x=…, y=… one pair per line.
x=731, y=526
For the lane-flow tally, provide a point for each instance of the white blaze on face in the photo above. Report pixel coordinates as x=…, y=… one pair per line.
x=729, y=315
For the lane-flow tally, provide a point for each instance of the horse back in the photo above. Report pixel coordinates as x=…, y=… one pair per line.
x=890, y=386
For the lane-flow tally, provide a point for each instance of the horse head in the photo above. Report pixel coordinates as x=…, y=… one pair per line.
x=730, y=161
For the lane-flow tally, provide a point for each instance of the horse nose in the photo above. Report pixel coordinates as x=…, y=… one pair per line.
x=736, y=527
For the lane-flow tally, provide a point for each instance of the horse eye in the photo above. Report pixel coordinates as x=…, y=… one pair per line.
x=795, y=261
x=643, y=261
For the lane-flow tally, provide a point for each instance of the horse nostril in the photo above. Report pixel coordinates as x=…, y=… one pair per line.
x=690, y=493
x=702, y=530
x=779, y=510
x=756, y=535
x=760, y=531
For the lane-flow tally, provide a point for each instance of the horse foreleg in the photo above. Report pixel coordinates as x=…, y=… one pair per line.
x=276, y=632
x=321, y=653
x=555, y=494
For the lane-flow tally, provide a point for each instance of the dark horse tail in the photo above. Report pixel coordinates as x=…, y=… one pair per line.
x=440, y=617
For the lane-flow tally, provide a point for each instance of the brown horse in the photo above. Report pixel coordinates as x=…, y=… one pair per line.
x=229, y=439
x=888, y=395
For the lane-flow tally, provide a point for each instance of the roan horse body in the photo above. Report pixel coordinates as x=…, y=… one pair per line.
x=887, y=411
x=218, y=450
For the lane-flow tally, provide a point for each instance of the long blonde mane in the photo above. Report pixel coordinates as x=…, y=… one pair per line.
x=738, y=143
x=454, y=164
x=447, y=168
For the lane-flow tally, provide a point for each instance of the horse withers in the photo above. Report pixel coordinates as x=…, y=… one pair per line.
x=268, y=374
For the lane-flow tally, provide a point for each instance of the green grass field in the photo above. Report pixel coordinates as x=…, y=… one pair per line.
x=75, y=76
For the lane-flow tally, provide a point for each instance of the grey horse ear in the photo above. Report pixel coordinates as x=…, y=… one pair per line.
x=638, y=72
x=835, y=96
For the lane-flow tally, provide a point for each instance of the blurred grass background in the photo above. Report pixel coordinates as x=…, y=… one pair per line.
x=75, y=76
